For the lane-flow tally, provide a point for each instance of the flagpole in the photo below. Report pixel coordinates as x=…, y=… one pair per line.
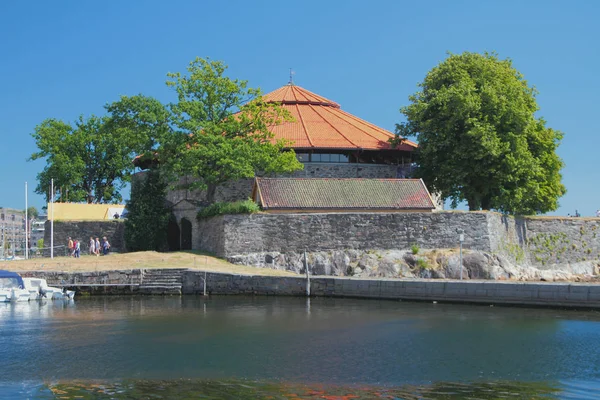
x=26, y=226
x=52, y=218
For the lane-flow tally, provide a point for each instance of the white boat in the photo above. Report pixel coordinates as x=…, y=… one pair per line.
x=12, y=287
x=38, y=289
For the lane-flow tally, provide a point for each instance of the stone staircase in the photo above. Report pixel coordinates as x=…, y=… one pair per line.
x=162, y=281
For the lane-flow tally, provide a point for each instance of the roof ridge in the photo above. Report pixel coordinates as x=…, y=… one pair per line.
x=304, y=126
x=365, y=132
x=372, y=125
x=333, y=126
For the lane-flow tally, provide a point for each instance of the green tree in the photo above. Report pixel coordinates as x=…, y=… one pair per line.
x=147, y=217
x=143, y=120
x=32, y=212
x=222, y=130
x=91, y=159
x=479, y=138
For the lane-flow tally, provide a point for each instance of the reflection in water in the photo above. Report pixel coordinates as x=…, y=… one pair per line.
x=230, y=389
x=337, y=346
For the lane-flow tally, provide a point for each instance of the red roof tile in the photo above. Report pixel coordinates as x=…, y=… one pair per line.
x=335, y=194
x=321, y=123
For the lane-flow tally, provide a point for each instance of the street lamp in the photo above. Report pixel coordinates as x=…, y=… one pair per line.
x=461, y=239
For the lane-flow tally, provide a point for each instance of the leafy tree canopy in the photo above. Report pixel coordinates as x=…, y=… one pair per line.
x=90, y=160
x=218, y=130
x=222, y=129
x=479, y=138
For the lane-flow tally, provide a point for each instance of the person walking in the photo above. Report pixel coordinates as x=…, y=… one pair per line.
x=77, y=248
x=92, y=246
x=97, y=247
x=105, y=246
x=70, y=246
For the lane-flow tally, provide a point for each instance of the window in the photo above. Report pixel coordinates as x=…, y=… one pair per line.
x=329, y=158
x=303, y=157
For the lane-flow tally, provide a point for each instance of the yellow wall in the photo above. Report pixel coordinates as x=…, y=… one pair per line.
x=81, y=212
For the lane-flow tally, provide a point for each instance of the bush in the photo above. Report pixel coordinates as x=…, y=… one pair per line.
x=415, y=249
x=236, y=207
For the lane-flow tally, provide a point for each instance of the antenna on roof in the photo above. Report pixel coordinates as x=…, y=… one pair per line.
x=292, y=73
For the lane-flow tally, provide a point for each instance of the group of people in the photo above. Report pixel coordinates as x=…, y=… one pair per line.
x=95, y=247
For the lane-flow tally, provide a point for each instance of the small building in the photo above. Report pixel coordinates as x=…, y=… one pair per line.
x=317, y=195
x=84, y=212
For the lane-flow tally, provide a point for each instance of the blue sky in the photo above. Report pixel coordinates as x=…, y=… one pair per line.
x=63, y=59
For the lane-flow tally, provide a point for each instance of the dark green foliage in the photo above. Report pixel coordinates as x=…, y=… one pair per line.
x=479, y=138
x=148, y=216
x=236, y=207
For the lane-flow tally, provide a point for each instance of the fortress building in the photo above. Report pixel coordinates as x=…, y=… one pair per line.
x=331, y=143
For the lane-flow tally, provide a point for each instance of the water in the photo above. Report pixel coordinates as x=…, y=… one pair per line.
x=266, y=347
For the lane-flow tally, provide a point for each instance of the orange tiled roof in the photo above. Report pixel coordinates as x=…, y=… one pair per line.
x=342, y=194
x=321, y=124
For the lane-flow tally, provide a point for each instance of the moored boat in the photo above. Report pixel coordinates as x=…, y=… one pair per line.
x=38, y=289
x=12, y=287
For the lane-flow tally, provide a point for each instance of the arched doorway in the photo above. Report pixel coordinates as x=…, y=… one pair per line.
x=186, y=234
x=173, y=235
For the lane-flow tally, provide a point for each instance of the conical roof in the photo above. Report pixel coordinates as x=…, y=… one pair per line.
x=321, y=124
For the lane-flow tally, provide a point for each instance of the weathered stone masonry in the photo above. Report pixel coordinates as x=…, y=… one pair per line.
x=486, y=292
x=83, y=230
x=538, y=241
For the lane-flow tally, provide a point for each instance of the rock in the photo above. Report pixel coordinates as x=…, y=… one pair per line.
x=387, y=269
x=438, y=274
x=547, y=276
x=410, y=259
x=405, y=271
x=452, y=268
x=477, y=264
x=425, y=273
x=562, y=276
x=341, y=263
x=320, y=264
x=368, y=262
x=582, y=268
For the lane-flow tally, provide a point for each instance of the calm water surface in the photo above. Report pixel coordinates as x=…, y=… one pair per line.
x=260, y=347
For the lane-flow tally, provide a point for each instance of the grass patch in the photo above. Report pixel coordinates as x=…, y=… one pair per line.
x=415, y=249
x=236, y=207
x=141, y=259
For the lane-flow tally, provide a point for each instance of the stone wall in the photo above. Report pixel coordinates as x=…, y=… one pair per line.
x=122, y=279
x=347, y=170
x=490, y=292
x=82, y=230
x=241, y=234
x=568, y=244
x=545, y=242
x=242, y=189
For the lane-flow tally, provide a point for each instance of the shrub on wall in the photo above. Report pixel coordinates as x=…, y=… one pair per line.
x=236, y=207
x=148, y=217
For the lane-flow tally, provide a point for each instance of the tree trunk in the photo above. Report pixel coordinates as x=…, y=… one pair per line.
x=486, y=203
x=210, y=193
x=473, y=204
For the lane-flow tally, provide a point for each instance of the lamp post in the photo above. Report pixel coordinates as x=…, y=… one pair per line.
x=26, y=226
x=52, y=218
x=461, y=239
